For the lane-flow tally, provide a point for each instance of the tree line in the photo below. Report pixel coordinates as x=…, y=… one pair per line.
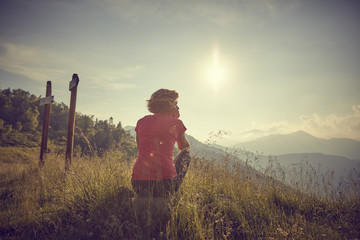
x=21, y=120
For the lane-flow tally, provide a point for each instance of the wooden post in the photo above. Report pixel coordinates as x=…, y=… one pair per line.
x=71, y=123
x=47, y=102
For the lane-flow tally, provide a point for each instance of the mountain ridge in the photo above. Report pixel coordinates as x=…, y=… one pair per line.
x=303, y=142
x=336, y=169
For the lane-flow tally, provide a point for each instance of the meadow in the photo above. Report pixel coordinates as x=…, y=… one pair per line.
x=218, y=200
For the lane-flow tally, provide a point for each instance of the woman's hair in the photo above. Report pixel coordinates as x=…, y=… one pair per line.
x=162, y=101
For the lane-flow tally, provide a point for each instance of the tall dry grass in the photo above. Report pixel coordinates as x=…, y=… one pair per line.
x=218, y=200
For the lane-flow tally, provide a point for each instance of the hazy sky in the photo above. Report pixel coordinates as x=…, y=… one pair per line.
x=246, y=67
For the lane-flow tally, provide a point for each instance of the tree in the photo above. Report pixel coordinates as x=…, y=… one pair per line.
x=84, y=132
x=19, y=106
x=21, y=120
x=86, y=124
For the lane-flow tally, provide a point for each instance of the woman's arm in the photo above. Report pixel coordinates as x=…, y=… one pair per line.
x=182, y=142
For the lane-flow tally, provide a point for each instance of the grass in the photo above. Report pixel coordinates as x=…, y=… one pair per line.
x=94, y=200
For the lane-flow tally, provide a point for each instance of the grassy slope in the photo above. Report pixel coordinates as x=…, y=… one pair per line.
x=94, y=201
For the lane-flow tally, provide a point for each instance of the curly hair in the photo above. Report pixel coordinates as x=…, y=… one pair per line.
x=162, y=101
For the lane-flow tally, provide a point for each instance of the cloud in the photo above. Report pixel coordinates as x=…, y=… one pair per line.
x=219, y=12
x=334, y=125
x=327, y=127
x=33, y=63
x=42, y=65
x=112, y=78
x=116, y=86
x=258, y=130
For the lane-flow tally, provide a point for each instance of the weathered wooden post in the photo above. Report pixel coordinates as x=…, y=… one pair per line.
x=47, y=102
x=71, y=123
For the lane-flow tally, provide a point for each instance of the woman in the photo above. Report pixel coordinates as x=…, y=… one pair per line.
x=154, y=173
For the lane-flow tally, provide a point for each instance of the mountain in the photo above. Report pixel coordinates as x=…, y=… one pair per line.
x=321, y=163
x=302, y=142
x=304, y=168
x=306, y=165
x=315, y=172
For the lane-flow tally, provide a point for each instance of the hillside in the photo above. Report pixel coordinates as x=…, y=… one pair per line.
x=290, y=169
x=222, y=196
x=314, y=173
x=302, y=142
x=94, y=200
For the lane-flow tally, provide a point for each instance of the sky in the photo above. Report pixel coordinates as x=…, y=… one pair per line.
x=243, y=68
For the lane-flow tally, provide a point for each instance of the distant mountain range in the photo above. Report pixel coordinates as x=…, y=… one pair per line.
x=302, y=142
x=299, y=158
x=315, y=169
x=296, y=158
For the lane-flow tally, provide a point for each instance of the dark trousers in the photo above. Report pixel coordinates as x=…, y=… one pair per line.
x=164, y=187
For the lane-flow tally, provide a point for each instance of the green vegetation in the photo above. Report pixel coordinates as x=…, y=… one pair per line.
x=94, y=200
x=21, y=120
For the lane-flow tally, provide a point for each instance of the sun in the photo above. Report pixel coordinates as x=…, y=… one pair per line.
x=215, y=71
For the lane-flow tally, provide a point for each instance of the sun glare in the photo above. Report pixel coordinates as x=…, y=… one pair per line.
x=215, y=72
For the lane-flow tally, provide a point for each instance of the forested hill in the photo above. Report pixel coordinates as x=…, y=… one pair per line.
x=21, y=119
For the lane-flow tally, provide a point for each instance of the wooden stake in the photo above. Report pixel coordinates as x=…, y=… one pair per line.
x=71, y=123
x=46, y=121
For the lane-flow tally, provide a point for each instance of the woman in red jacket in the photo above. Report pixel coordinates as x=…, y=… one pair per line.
x=155, y=173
